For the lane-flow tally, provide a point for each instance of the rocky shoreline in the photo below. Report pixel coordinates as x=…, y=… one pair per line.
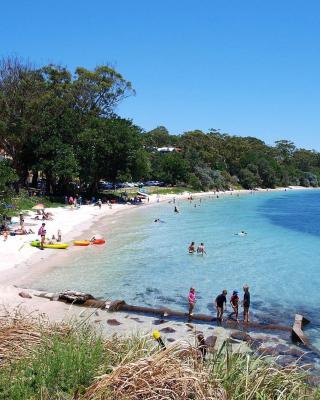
x=116, y=317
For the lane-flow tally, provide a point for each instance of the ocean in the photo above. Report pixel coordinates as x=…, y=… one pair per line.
x=147, y=263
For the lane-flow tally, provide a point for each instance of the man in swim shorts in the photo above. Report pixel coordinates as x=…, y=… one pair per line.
x=246, y=303
x=221, y=304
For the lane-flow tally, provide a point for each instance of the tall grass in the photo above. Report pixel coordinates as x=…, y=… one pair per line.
x=73, y=362
x=60, y=366
x=246, y=377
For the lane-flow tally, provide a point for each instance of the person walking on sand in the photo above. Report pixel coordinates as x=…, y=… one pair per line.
x=246, y=303
x=42, y=233
x=221, y=304
x=191, y=248
x=234, y=301
x=191, y=300
x=201, y=250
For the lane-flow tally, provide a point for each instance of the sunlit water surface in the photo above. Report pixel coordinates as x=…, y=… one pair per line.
x=147, y=263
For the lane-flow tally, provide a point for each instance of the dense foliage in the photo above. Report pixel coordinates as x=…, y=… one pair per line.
x=62, y=126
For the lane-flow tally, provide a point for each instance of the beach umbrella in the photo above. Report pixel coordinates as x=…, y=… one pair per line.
x=39, y=206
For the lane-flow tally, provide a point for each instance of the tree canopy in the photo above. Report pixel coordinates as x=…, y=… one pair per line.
x=62, y=125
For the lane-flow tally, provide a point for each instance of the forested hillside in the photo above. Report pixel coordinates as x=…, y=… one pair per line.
x=62, y=125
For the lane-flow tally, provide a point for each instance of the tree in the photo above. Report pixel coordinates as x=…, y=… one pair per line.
x=170, y=168
x=7, y=178
x=111, y=148
x=158, y=137
x=43, y=110
x=249, y=179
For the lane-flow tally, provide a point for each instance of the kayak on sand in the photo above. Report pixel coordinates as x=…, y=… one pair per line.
x=36, y=243
x=81, y=243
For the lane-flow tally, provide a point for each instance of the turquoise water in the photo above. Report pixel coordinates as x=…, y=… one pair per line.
x=147, y=263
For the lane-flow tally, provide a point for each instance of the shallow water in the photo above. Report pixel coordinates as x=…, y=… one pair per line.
x=147, y=263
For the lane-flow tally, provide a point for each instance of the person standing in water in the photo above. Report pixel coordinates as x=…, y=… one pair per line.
x=201, y=249
x=246, y=303
x=221, y=304
x=191, y=248
x=191, y=300
x=234, y=301
x=175, y=209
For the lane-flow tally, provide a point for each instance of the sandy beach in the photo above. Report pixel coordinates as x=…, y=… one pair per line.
x=19, y=260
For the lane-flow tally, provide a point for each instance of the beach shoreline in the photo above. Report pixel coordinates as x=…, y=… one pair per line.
x=20, y=261
x=27, y=269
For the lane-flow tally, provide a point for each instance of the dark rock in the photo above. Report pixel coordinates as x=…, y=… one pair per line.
x=239, y=335
x=113, y=322
x=25, y=295
x=256, y=343
x=211, y=342
x=286, y=361
x=159, y=321
x=267, y=351
x=116, y=305
x=282, y=349
x=170, y=339
x=295, y=352
x=190, y=326
x=136, y=319
x=75, y=297
x=167, y=329
x=313, y=380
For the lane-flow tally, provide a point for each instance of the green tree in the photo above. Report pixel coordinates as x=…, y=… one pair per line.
x=111, y=148
x=7, y=178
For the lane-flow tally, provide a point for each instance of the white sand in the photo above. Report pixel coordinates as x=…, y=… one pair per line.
x=17, y=257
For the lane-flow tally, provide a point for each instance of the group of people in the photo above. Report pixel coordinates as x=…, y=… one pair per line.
x=221, y=304
x=200, y=249
x=42, y=233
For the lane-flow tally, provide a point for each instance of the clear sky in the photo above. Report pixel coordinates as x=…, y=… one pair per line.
x=248, y=67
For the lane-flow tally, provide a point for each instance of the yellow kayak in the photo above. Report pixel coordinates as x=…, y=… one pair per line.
x=36, y=243
x=81, y=243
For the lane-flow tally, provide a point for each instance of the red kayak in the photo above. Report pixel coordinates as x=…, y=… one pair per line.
x=98, y=241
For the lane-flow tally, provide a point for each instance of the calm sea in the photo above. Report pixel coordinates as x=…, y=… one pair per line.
x=147, y=263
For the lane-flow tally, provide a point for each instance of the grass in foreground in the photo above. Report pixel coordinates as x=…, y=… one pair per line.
x=69, y=362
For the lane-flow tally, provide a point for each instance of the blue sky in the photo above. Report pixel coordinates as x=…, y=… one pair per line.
x=245, y=67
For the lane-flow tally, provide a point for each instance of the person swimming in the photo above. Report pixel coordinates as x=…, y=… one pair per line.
x=191, y=248
x=201, y=249
x=241, y=233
